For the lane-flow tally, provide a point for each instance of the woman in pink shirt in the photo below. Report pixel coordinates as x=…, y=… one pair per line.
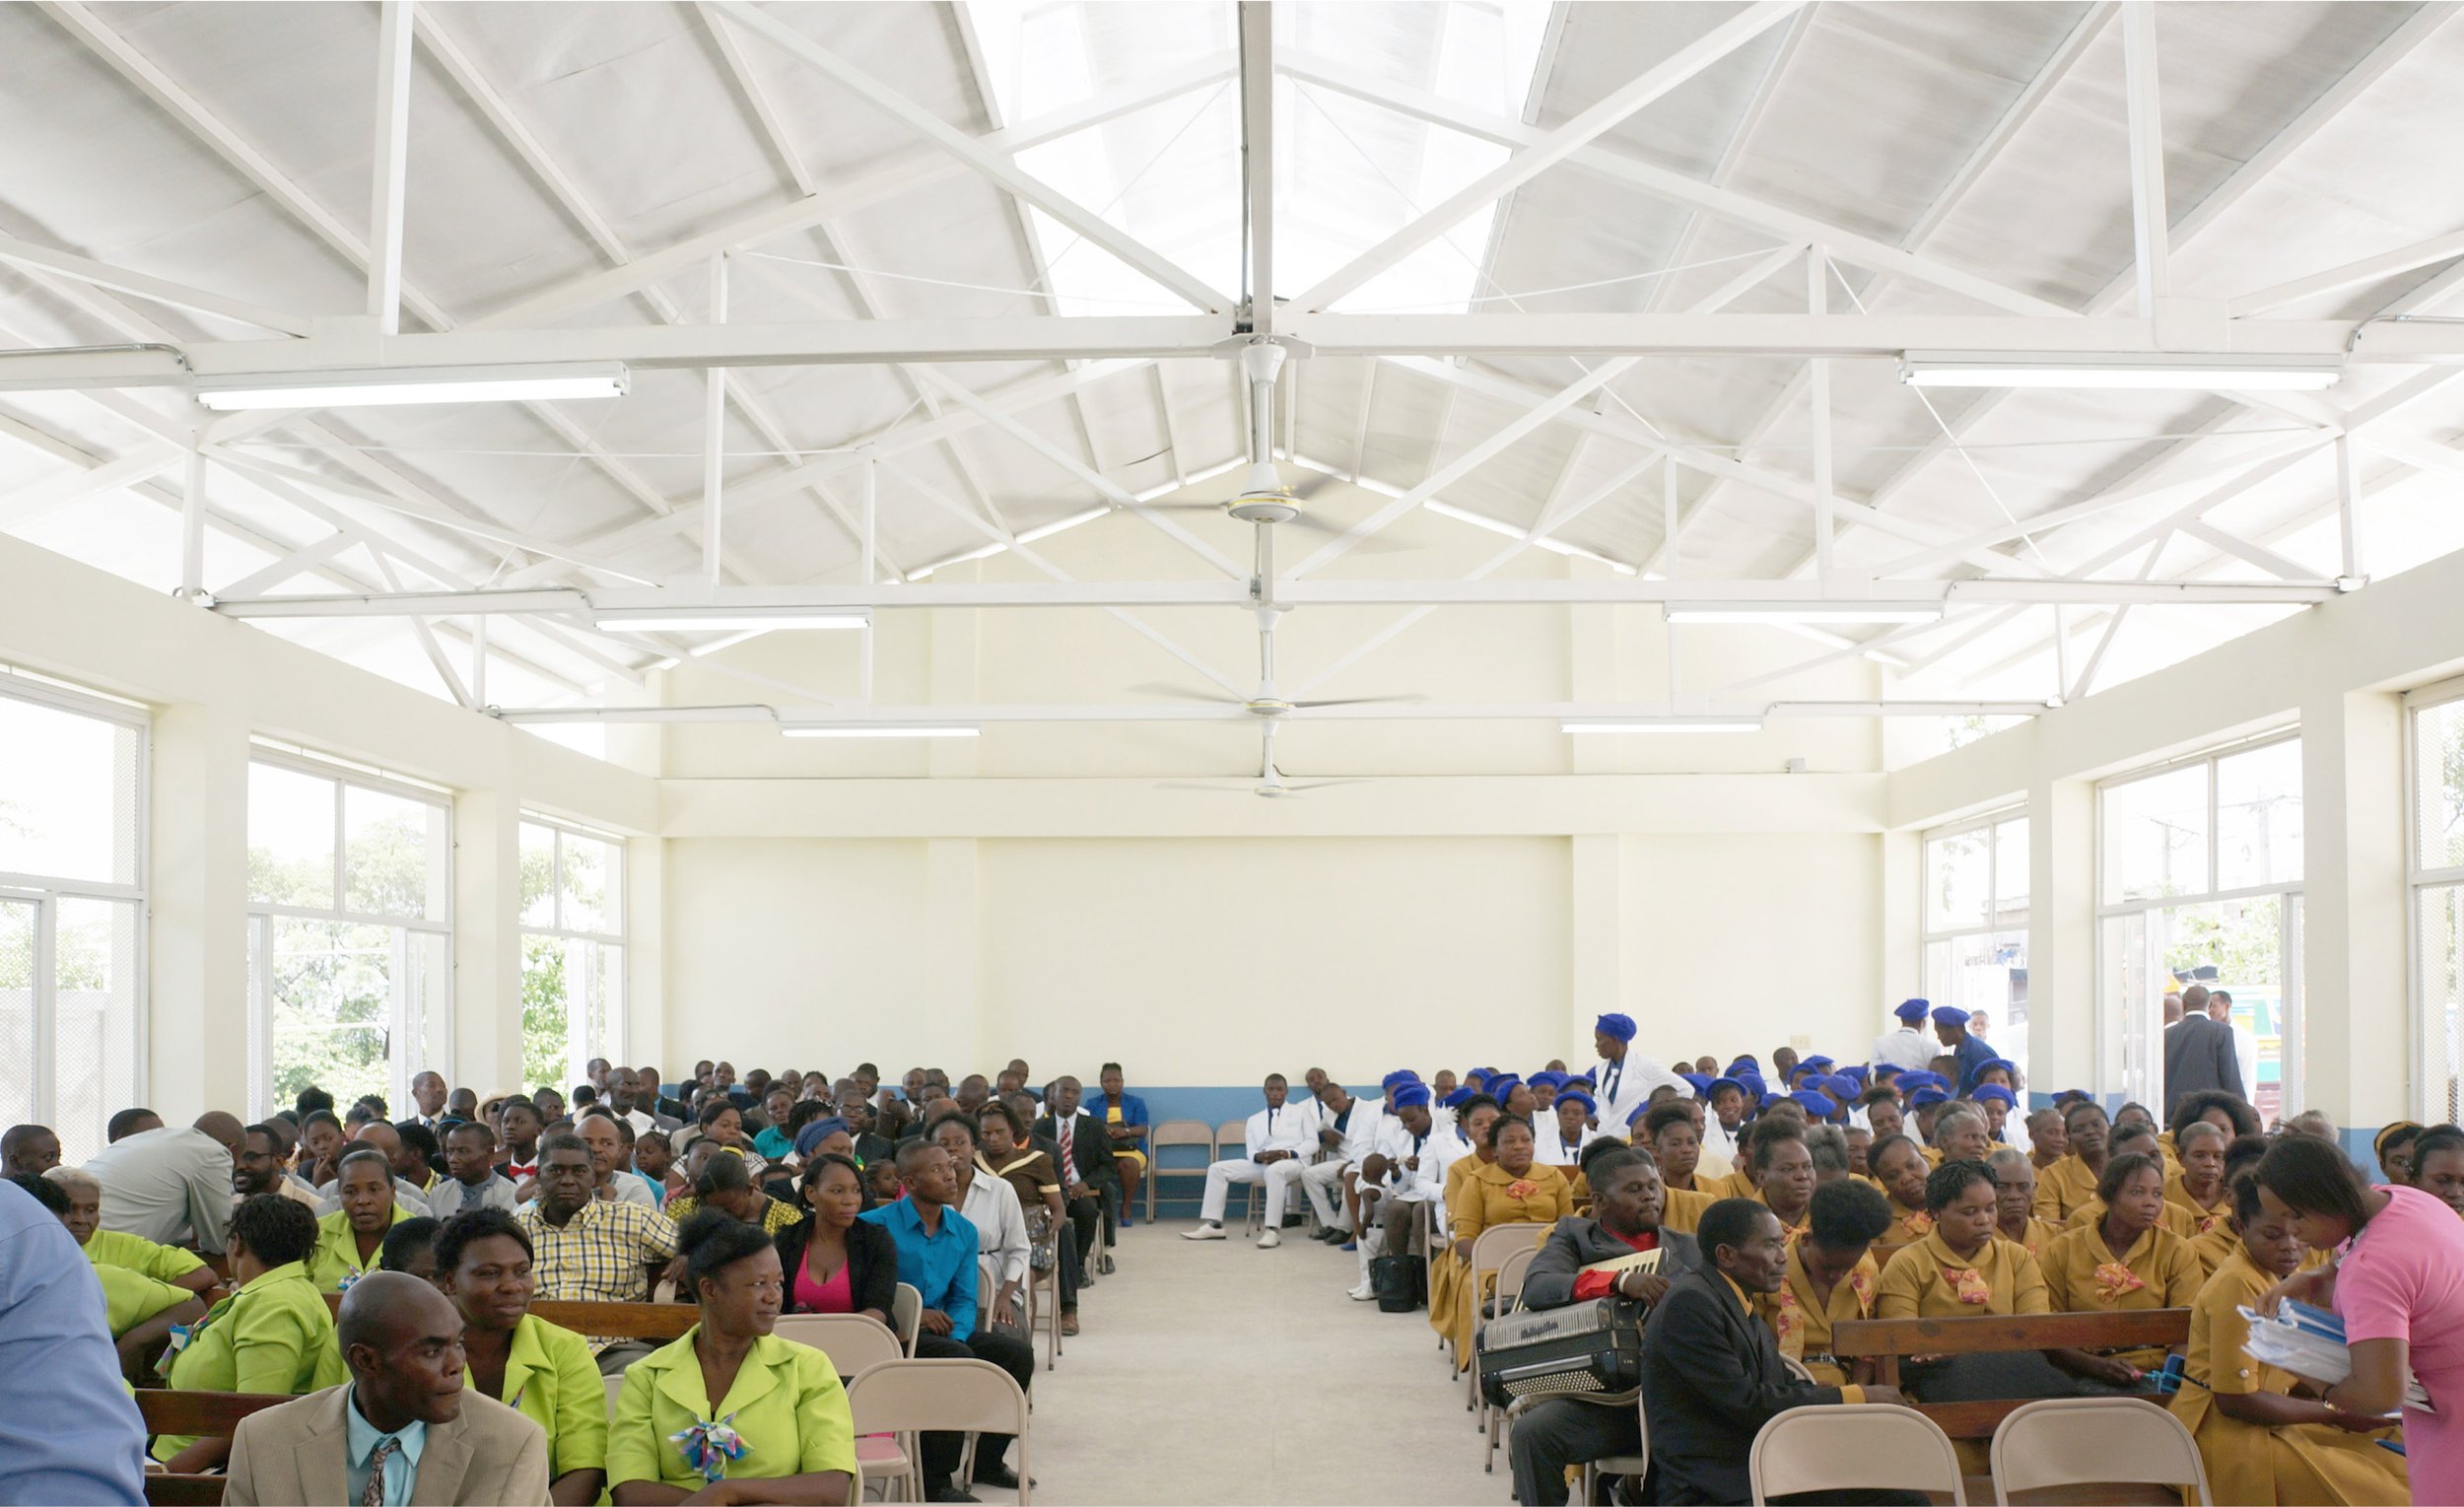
x=2398, y=1283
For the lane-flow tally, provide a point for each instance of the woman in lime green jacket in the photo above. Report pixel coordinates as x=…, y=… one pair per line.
x=273, y=1334
x=732, y=1412
x=350, y=1238
x=534, y=1367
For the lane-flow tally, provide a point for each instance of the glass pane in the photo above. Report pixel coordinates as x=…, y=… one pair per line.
x=2131, y=1008
x=94, y=1043
x=1988, y=978
x=394, y=856
x=68, y=794
x=2156, y=836
x=291, y=838
x=2258, y=817
x=593, y=885
x=2010, y=873
x=2438, y=756
x=547, y=1028
x=329, y=1000
x=1957, y=881
x=538, y=875
x=426, y=989
x=608, y=1028
x=2442, y=1000
x=17, y=1011
x=2242, y=941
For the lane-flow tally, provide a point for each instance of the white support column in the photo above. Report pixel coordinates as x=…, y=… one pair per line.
x=1818, y=395
x=1596, y=937
x=192, y=530
x=952, y=669
x=487, y=939
x=2348, y=507
x=2062, y=1034
x=197, y=948
x=2354, y=938
x=2150, y=235
x=1899, y=870
x=392, y=163
x=714, y=442
x=645, y=954
x=1257, y=160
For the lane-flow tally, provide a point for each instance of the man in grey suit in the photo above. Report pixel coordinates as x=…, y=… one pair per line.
x=1628, y=1197
x=2199, y=1053
x=402, y=1431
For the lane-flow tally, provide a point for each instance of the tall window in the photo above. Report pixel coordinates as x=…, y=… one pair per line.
x=349, y=930
x=2199, y=882
x=2437, y=861
x=573, y=951
x=71, y=910
x=1976, y=928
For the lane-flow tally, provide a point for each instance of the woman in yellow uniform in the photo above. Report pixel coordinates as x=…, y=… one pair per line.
x=1959, y=1132
x=273, y=1334
x=732, y=1402
x=1899, y=1166
x=2136, y=1141
x=2015, y=1200
x=2198, y=1189
x=2067, y=1185
x=2125, y=1261
x=1515, y=1188
x=541, y=1370
x=114, y=1248
x=1831, y=1277
x=350, y=1238
x=1963, y=1269
x=1447, y=1270
x=2262, y=1444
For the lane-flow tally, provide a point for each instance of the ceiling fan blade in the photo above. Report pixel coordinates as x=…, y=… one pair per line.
x=1226, y=789
x=1359, y=701
x=1171, y=692
x=1371, y=544
x=1162, y=507
x=1323, y=785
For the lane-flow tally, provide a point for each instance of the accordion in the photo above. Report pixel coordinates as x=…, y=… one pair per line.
x=1594, y=1347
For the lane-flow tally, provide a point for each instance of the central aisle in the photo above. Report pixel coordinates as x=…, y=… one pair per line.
x=1216, y=1372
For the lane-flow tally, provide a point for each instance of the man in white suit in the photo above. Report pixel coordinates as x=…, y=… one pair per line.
x=1275, y=1139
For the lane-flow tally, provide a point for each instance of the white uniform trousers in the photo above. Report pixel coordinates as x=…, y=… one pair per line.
x=1323, y=1182
x=1278, y=1178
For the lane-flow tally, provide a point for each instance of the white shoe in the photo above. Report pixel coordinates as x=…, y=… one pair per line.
x=1364, y=1293
x=1269, y=1240
x=1204, y=1231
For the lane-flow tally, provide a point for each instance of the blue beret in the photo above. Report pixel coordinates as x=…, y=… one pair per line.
x=1742, y=1062
x=1949, y=1015
x=1882, y=1070
x=1409, y=1094
x=1398, y=1076
x=1584, y=1079
x=1548, y=1077
x=1840, y=1086
x=1913, y=1010
x=1503, y=1084
x=1911, y=1081
x=1456, y=1098
x=1619, y=1027
x=1816, y=1106
x=1700, y=1080
x=1994, y=1093
x=1769, y=1099
x=1857, y=1073
x=1712, y=1090
x=1817, y=1061
x=1927, y=1096
x=819, y=1130
x=1753, y=1085
x=2002, y=1063
x=1590, y=1105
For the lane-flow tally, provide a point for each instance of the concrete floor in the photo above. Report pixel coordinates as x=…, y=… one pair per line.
x=1216, y=1372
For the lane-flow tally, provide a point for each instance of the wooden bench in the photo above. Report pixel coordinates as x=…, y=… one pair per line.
x=1886, y=1340
x=615, y=1321
x=205, y=1413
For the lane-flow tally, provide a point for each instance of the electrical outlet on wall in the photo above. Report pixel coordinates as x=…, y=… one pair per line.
x=1801, y=1045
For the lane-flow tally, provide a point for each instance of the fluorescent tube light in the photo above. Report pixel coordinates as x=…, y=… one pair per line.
x=1073, y=522
x=1475, y=519
x=1783, y=613
x=1665, y=725
x=726, y=619
x=380, y=386
x=880, y=729
x=2167, y=370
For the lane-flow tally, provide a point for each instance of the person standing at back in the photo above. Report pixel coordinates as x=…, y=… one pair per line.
x=2245, y=1045
x=171, y=1186
x=2199, y=1053
x=1908, y=1049
x=1623, y=1080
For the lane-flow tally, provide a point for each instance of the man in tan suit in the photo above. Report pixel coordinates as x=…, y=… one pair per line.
x=402, y=1432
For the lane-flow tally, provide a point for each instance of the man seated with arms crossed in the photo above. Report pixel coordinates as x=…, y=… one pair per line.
x=402, y=1429
x=1712, y=1373
x=1578, y=1263
x=1274, y=1139
x=586, y=1249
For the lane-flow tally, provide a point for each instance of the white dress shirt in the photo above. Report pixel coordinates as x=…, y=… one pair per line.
x=991, y=1206
x=450, y=1196
x=1719, y=1140
x=1362, y=1128
x=1625, y=1087
x=1907, y=1049
x=170, y=1185
x=1552, y=1149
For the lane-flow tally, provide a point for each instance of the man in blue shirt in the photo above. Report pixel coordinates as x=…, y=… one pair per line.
x=1950, y=1027
x=937, y=1250
x=75, y=1437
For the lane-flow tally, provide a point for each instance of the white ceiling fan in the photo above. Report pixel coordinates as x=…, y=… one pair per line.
x=1271, y=781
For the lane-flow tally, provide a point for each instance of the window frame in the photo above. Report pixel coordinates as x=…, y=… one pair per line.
x=2417, y=880
x=620, y=938
x=45, y=892
x=2110, y=1033
x=1990, y=823
x=347, y=774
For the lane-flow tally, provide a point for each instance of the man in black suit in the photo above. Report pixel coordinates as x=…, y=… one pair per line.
x=1712, y=1373
x=1090, y=1184
x=2199, y=1053
x=1627, y=1195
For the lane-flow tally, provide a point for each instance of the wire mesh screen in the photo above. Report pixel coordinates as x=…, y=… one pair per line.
x=94, y=1039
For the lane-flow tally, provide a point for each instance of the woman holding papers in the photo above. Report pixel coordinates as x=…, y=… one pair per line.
x=2398, y=1284
x=2262, y=1444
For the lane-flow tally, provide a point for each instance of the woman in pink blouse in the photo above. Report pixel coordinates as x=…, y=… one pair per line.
x=2398, y=1283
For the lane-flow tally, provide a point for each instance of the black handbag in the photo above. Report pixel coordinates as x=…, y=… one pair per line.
x=1401, y=1282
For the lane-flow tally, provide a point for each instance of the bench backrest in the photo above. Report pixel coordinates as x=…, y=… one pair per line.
x=214, y=1413
x=1888, y=1339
